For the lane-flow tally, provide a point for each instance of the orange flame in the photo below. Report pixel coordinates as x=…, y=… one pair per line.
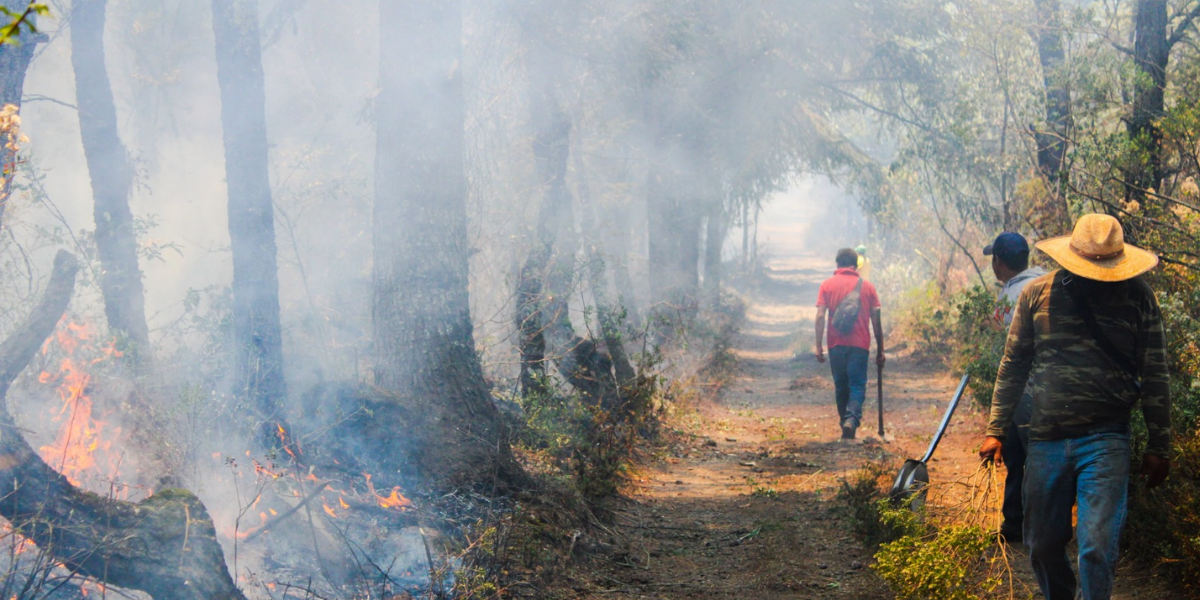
x=394, y=500
x=82, y=438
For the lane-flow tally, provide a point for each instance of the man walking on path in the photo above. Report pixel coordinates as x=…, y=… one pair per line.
x=849, y=345
x=1010, y=264
x=1089, y=338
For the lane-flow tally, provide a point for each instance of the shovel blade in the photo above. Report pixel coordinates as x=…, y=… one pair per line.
x=910, y=485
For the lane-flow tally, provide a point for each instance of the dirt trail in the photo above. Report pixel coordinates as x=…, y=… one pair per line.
x=748, y=509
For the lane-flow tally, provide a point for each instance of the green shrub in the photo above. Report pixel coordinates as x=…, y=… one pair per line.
x=872, y=517
x=1165, y=523
x=978, y=341
x=944, y=564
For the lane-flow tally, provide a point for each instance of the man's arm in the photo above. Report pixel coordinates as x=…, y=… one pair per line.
x=819, y=335
x=1012, y=376
x=1156, y=394
x=877, y=325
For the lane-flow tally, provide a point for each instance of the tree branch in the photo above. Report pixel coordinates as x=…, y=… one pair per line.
x=1185, y=22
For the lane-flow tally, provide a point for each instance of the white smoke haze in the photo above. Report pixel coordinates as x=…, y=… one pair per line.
x=691, y=127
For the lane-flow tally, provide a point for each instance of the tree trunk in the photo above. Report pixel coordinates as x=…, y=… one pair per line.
x=165, y=545
x=1052, y=143
x=258, y=343
x=112, y=180
x=745, y=234
x=14, y=63
x=674, y=224
x=579, y=361
x=618, y=247
x=1151, y=52
x=423, y=339
x=607, y=314
x=716, y=229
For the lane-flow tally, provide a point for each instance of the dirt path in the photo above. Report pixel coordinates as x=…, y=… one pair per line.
x=748, y=509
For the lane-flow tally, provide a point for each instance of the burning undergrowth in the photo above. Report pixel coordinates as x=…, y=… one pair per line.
x=318, y=518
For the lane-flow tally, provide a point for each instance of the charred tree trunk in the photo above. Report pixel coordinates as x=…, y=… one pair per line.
x=112, y=182
x=258, y=342
x=165, y=545
x=423, y=337
x=1151, y=52
x=14, y=63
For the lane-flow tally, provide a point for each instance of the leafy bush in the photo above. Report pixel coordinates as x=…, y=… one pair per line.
x=978, y=341
x=942, y=564
x=917, y=560
x=1165, y=523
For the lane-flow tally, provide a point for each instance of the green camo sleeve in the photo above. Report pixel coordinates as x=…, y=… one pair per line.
x=1156, y=383
x=1015, y=366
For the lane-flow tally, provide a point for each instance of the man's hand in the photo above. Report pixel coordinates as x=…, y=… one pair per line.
x=880, y=359
x=991, y=450
x=819, y=352
x=1156, y=469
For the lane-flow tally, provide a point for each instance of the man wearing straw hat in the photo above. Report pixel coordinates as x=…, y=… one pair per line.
x=1089, y=339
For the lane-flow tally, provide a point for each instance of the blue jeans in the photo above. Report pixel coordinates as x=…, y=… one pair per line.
x=1093, y=471
x=849, y=364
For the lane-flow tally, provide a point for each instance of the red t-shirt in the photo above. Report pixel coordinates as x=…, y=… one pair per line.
x=832, y=291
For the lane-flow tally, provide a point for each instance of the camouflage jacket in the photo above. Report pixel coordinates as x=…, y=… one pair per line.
x=1077, y=388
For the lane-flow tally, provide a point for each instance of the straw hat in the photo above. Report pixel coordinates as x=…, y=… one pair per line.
x=1097, y=250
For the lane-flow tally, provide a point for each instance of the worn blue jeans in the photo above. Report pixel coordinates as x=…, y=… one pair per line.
x=849, y=364
x=1093, y=471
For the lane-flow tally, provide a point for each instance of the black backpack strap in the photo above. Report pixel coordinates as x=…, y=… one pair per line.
x=1085, y=311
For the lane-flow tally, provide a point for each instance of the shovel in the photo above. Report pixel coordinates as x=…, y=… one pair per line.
x=913, y=479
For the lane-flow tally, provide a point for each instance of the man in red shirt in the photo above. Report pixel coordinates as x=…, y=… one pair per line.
x=848, y=353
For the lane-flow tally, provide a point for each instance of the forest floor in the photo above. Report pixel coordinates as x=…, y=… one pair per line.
x=746, y=505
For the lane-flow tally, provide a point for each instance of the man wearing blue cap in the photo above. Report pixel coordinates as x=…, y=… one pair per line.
x=1010, y=264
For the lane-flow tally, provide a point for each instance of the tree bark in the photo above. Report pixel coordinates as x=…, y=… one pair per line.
x=1151, y=51
x=14, y=63
x=258, y=342
x=165, y=545
x=423, y=336
x=1052, y=143
x=112, y=181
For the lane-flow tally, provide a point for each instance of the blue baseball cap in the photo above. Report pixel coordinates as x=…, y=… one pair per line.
x=1009, y=247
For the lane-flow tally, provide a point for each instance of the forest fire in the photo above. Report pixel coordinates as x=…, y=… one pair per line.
x=393, y=500
x=83, y=439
